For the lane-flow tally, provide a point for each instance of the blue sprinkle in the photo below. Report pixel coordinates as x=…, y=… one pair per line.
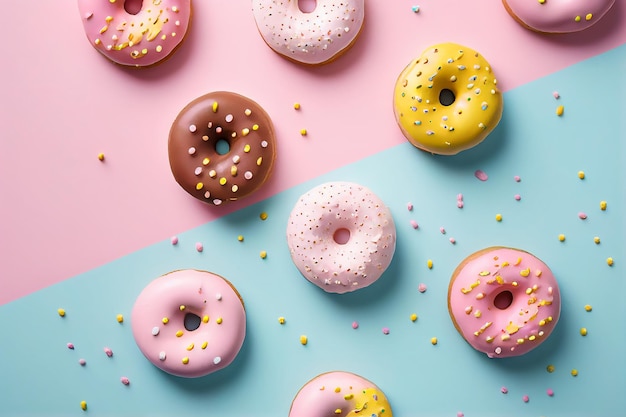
x=415, y=9
x=417, y=123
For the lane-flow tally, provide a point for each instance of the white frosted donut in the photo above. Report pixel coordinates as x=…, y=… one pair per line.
x=341, y=236
x=313, y=38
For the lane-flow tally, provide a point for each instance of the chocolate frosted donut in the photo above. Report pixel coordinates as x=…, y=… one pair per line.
x=221, y=147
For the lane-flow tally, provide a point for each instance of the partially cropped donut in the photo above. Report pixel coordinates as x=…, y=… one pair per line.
x=447, y=100
x=189, y=323
x=503, y=301
x=137, y=38
x=315, y=37
x=341, y=394
x=557, y=16
x=222, y=147
x=341, y=236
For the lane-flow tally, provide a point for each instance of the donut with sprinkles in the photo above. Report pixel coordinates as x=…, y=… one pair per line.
x=222, y=147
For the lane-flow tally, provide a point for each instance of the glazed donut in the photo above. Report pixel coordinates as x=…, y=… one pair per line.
x=340, y=394
x=557, y=16
x=189, y=323
x=341, y=236
x=503, y=301
x=447, y=101
x=137, y=39
x=215, y=175
x=313, y=38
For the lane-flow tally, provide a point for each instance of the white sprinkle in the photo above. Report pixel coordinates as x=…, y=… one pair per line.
x=198, y=171
x=192, y=128
x=88, y=15
x=498, y=350
x=218, y=129
x=247, y=112
x=247, y=175
x=218, y=296
x=162, y=356
x=229, y=118
x=217, y=360
x=177, y=23
x=155, y=331
x=207, y=194
x=217, y=201
x=192, y=150
x=264, y=144
x=236, y=159
x=210, y=125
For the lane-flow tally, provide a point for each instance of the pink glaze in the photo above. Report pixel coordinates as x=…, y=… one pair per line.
x=311, y=38
x=340, y=394
x=140, y=39
x=558, y=16
x=158, y=323
x=477, y=301
x=334, y=208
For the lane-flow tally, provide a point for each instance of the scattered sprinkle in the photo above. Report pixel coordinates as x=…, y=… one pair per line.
x=460, y=414
x=518, y=197
x=119, y=318
x=602, y=205
x=70, y=346
x=413, y=317
x=82, y=362
x=556, y=95
x=574, y=372
x=433, y=340
x=550, y=392
x=459, y=201
x=296, y=106
x=452, y=240
x=517, y=178
x=504, y=390
x=582, y=216
x=581, y=175
x=550, y=368
x=108, y=352
x=415, y=9
x=303, y=132
x=240, y=238
x=263, y=254
x=83, y=405
x=559, y=111
x=199, y=246
x=263, y=216
x=525, y=398
x=481, y=175
x=562, y=237
x=583, y=331
x=414, y=224
x=355, y=325
x=609, y=261
x=409, y=206
x=498, y=217
x=304, y=340
x=61, y=312
x=429, y=264
x=421, y=288
x=596, y=240
x=385, y=330
x=124, y=380
x=174, y=240
x=101, y=157
x=442, y=230
x=281, y=320
x=588, y=308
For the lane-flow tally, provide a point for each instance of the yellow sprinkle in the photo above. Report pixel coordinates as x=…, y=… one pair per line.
x=165, y=320
x=581, y=175
x=348, y=396
x=144, y=51
x=159, y=48
x=542, y=1
x=550, y=368
x=281, y=320
x=413, y=317
x=577, y=19
x=199, y=186
x=233, y=170
x=190, y=347
x=246, y=148
x=588, y=307
x=559, y=110
x=588, y=17
x=263, y=216
x=61, y=312
x=596, y=240
x=433, y=340
x=609, y=261
x=212, y=173
x=185, y=360
x=205, y=319
x=296, y=106
x=499, y=217
x=263, y=254
x=562, y=237
x=245, y=131
x=574, y=372
x=259, y=161
x=525, y=272
x=222, y=181
x=338, y=389
x=101, y=156
x=219, y=320
x=583, y=331
x=83, y=405
x=304, y=340
x=120, y=318
x=182, y=307
x=206, y=161
x=255, y=127
x=179, y=333
x=429, y=264
x=247, y=112
x=240, y=238
x=204, y=345
x=338, y=411
x=215, y=106
x=303, y=132
x=602, y=205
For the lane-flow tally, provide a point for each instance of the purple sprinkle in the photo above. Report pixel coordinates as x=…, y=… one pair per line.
x=481, y=175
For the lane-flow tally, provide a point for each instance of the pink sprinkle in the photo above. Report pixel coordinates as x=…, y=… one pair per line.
x=518, y=197
x=385, y=330
x=517, y=178
x=442, y=230
x=459, y=197
x=556, y=95
x=409, y=206
x=70, y=346
x=525, y=398
x=550, y=392
x=421, y=288
x=355, y=325
x=108, y=352
x=582, y=216
x=414, y=224
x=481, y=175
x=460, y=414
x=452, y=240
x=459, y=204
x=82, y=362
x=174, y=240
x=124, y=380
x=199, y=247
x=504, y=390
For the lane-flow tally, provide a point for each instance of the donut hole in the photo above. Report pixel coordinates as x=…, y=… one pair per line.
x=341, y=236
x=191, y=321
x=222, y=146
x=133, y=6
x=446, y=97
x=503, y=300
x=307, y=6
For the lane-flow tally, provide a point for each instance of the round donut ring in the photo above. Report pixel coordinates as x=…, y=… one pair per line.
x=446, y=101
x=189, y=323
x=503, y=301
x=209, y=173
x=341, y=236
x=136, y=39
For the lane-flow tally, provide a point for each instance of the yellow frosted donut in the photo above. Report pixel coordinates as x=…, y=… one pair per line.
x=447, y=101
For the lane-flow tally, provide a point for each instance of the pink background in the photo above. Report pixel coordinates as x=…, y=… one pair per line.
x=64, y=212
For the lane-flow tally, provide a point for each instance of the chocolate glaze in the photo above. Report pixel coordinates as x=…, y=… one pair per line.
x=197, y=165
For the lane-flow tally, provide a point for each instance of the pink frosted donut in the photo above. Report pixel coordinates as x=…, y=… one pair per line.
x=341, y=236
x=503, y=301
x=340, y=394
x=312, y=37
x=557, y=16
x=140, y=37
x=189, y=323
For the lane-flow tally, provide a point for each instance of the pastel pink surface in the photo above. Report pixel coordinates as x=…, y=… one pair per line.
x=65, y=212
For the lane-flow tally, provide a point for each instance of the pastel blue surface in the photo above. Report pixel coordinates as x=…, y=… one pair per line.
x=41, y=376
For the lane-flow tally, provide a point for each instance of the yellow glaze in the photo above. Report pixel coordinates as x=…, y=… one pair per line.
x=447, y=129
